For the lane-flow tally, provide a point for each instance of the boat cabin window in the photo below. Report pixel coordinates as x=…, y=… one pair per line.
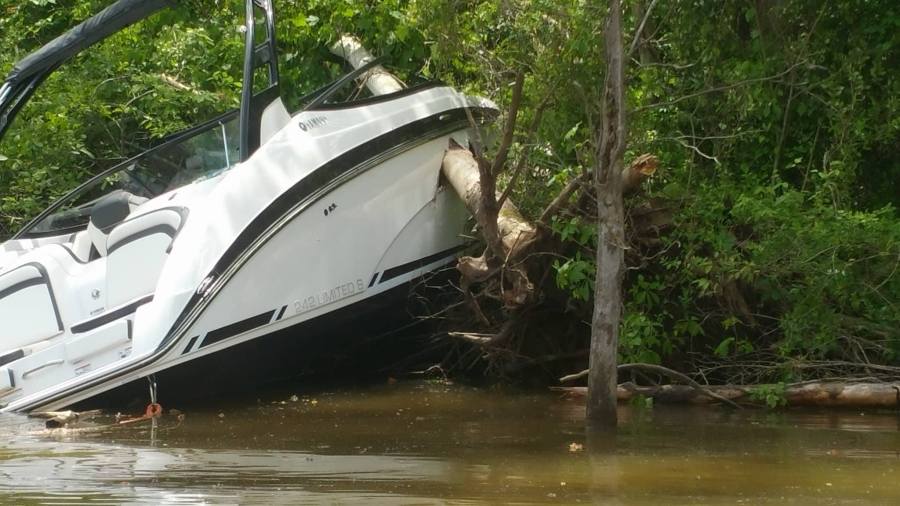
x=197, y=154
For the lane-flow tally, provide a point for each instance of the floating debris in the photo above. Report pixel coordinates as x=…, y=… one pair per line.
x=58, y=419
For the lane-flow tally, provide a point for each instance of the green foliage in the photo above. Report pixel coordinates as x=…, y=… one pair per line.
x=112, y=101
x=642, y=402
x=777, y=129
x=576, y=275
x=772, y=395
x=776, y=123
x=774, y=270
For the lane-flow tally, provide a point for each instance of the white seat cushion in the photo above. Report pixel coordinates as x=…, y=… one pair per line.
x=28, y=311
x=137, y=251
x=81, y=246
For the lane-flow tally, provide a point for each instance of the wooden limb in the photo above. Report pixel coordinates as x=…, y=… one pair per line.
x=718, y=89
x=639, y=170
x=820, y=394
x=520, y=166
x=575, y=376
x=378, y=80
x=510, y=130
x=562, y=198
x=665, y=371
x=488, y=212
x=175, y=83
x=472, y=337
x=507, y=233
x=636, y=40
x=633, y=176
x=514, y=234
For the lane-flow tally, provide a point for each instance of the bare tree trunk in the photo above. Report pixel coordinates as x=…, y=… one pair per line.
x=378, y=80
x=602, y=379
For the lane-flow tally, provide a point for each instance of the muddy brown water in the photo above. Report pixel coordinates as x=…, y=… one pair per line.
x=425, y=443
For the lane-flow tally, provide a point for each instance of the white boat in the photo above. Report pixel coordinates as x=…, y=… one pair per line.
x=233, y=247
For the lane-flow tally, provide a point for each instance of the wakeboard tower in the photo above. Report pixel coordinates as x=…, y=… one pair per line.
x=235, y=245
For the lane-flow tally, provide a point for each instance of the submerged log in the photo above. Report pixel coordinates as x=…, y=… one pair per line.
x=825, y=394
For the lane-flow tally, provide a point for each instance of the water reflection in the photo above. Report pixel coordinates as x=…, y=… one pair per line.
x=425, y=443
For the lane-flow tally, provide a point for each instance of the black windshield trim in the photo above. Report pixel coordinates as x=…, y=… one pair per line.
x=165, y=142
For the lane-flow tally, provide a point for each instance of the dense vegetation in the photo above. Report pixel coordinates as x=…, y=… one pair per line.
x=776, y=250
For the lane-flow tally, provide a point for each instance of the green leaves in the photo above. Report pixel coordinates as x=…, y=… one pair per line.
x=576, y=275
x=773, y=396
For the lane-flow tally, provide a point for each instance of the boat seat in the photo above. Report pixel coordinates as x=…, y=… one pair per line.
x=28, y=309
x=108, y=212
x=137, y=250
x=81, y=246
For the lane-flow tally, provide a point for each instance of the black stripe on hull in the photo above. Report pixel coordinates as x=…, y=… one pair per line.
x=406, y=268
x=11, y=357
x=111, y=316
x=237, y=328
x=190, y=345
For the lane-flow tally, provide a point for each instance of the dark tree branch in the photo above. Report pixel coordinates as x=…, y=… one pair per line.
x=665, y=371
x=720, y=88
x=532, y=129
x=509, y=132
x=553, y=208
x=635, y=42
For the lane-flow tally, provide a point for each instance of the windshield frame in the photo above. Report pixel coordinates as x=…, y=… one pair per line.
x=29, y=73
x=25, y=232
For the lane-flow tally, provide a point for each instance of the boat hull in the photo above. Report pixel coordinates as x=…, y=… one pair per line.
x=362, y=340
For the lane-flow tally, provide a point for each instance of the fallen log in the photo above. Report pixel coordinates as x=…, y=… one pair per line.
x=507, y=234
x=378, y=80
x=461, y=170
x=820, y=394
x=658, y=369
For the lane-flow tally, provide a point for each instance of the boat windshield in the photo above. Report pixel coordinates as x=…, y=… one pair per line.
x=197, y=154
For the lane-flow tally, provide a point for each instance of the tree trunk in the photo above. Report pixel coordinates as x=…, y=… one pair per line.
x=847, y=395
x=602, y=378
x=378, y=80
